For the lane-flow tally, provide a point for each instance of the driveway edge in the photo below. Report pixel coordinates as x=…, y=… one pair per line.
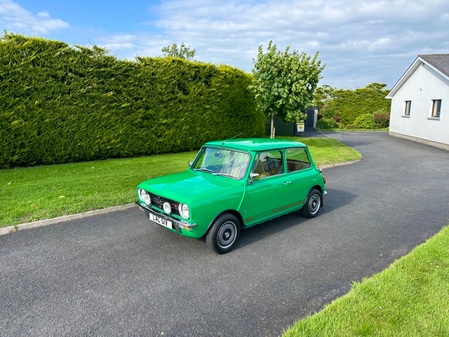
x=64, y=218
x=339, y=164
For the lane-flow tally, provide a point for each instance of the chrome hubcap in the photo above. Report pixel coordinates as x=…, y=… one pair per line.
x=314, y=203
x=226, y=234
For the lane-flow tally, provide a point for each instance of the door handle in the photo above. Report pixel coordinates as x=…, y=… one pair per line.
x=287, y=182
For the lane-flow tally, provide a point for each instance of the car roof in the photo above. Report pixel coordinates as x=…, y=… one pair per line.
x=255, y=144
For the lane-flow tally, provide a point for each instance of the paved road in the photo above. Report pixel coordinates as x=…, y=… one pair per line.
x=117, y=275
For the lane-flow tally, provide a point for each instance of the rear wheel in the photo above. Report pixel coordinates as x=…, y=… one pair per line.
x=313, y=204
x=223, y=233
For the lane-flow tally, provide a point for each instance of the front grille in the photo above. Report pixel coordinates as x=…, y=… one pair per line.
x=158, y=202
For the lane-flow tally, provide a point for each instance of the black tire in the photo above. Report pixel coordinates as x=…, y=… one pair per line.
x=223, y=233
x=313, y=204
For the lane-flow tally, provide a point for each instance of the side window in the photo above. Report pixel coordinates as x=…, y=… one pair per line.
x=407, y=108
x=268, y=163
x=297, y=159
x=436, y=108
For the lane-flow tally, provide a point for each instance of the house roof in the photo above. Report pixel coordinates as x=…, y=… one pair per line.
x=438, y=62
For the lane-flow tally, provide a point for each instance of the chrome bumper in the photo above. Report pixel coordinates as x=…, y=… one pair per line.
x=178, y=223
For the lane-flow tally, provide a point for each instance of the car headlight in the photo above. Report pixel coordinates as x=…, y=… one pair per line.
x=184, y=211
x=144, y=196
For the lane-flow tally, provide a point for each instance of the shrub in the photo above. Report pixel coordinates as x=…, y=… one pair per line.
x=349, y=104
x=326, y=123
x=382, y=119
x=365, y=121
x=328, y=114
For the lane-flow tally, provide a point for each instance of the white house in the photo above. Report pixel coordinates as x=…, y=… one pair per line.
x=420, y=102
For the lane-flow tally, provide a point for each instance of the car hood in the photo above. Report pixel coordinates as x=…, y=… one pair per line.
x=186, y=186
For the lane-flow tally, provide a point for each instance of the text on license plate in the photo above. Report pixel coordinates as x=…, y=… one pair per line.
x=161, y=221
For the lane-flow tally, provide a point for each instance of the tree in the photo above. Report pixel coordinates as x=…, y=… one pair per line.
x=284, y=83
x=182, y=51
x=322, y=95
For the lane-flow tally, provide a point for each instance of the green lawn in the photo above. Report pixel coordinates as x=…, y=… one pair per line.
x=408, y=299
x=35, y=193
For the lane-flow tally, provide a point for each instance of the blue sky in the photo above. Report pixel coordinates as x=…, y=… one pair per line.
x=359, y=42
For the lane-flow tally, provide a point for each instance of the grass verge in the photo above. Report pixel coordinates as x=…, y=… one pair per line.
x=409, y=298
x=43, y=192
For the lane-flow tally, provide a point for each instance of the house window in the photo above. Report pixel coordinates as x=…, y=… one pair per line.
x=407, y=108
x=436, y=108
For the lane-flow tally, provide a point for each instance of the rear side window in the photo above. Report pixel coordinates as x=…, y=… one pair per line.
x=297, y=159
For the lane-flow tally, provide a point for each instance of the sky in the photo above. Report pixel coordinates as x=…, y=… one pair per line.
x=358, y=42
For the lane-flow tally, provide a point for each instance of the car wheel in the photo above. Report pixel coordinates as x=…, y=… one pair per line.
x=223, y=233
x=313, y=204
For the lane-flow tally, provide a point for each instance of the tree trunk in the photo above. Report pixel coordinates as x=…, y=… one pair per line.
x=273, y=130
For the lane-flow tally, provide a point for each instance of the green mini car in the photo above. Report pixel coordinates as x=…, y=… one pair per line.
x=234, y=184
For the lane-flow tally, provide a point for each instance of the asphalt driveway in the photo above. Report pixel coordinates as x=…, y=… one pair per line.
x=117, y=275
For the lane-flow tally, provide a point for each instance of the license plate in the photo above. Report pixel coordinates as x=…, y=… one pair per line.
x=161, y=221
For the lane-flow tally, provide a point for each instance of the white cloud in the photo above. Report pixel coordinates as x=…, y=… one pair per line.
x=128, y=46
x=352, y=37
x=14, y=18
x=359, y=41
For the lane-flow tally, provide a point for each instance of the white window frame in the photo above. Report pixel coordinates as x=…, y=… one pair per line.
x=435, y=111
x=407, y=108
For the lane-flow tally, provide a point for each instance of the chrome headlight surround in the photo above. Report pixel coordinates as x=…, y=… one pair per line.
x=167, y=207
x=144, y=196
x=184, y=211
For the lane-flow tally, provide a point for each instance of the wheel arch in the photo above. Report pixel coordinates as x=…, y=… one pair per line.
x=319, y=188
x=229, y=211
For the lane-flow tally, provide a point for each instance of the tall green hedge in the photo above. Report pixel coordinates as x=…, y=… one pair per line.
x=345, y=106
x=61, y=103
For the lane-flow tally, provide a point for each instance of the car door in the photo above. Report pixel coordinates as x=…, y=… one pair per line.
x=266, y=195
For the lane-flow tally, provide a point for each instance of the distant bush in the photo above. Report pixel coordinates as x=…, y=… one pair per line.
x=349, y=104
x=365, y=121
x=62, y=104
x=382, y=119
x=326, y=123
x=328, y=114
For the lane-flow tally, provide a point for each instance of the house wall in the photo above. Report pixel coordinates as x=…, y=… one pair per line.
x=421, y=88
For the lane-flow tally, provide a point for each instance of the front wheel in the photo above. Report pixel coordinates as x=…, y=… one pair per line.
x=313, y=204
x=223, y=233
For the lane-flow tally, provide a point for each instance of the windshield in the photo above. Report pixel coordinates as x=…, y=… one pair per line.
x=223, y=162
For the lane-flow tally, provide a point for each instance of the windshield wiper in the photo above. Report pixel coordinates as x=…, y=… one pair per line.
x=223, y=174
x=203, y=169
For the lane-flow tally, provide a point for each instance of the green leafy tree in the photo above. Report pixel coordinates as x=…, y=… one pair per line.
x=284, y=82
x=322, y=95
x=182, y=51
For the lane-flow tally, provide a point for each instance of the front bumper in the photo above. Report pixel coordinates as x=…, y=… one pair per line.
x=178, y=224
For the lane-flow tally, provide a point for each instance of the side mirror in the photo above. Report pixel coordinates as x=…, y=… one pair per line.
x=252, y=176
x=190, y=163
